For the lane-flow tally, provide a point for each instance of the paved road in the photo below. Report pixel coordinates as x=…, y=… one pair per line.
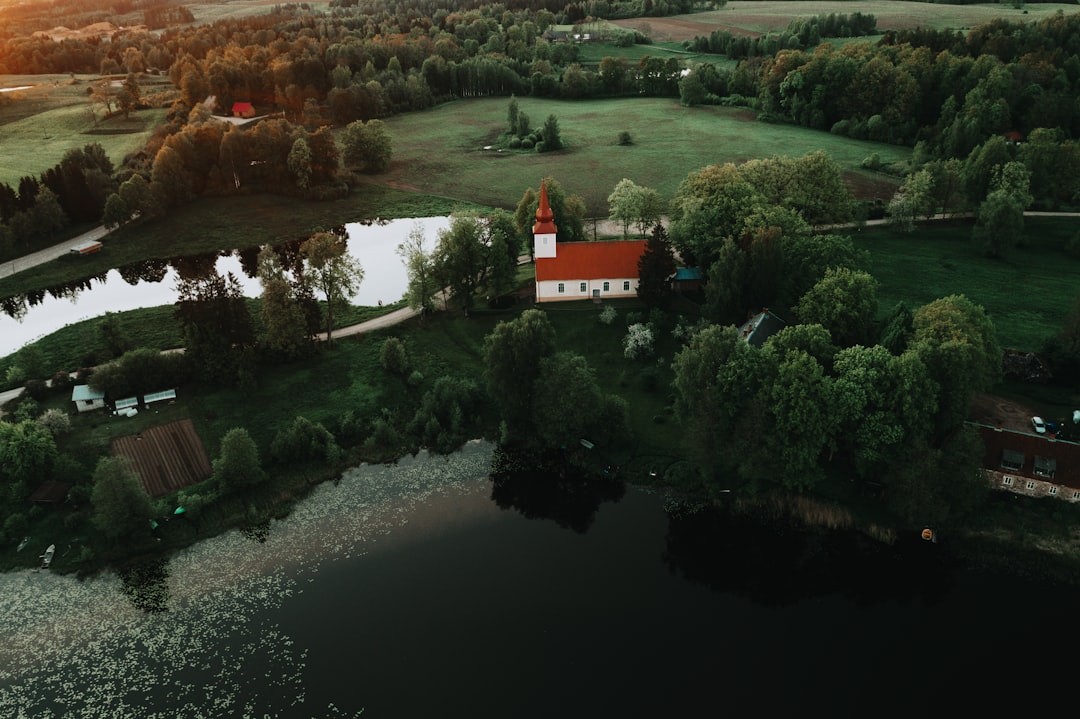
x=49, y=253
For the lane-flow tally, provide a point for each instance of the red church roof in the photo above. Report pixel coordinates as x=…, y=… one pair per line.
x=545, y=218
x=241, y=107
x=591, y=260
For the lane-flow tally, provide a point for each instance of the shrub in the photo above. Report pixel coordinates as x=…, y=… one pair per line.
x=608, y=314
x=304, y=440
x=56, y=421
x=416, y=378
x=527, y=143
x=37, y=389
x=625, y=139
x=393, y=356
x=515, y=143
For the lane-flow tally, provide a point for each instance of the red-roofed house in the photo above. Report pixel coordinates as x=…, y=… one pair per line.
x=580, y=270
x=1032, y=464
x=243, y=109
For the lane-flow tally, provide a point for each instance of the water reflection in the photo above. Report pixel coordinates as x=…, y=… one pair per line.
x=776, y=565
x=545, y=487
x=151, y=283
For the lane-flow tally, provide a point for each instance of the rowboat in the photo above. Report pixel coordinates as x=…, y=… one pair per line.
x=46, y=559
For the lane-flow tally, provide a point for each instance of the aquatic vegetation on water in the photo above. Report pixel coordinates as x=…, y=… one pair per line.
x=210, y=646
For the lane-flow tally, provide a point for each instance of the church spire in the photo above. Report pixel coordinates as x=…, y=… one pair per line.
x=545, y=218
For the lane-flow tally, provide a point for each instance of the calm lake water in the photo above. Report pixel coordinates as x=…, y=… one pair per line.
x=406, y=591
x=374, y=245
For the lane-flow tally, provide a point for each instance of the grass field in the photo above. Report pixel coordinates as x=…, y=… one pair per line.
x=1025, y=294
x=38, y=125
x=440, y=151
x=751, y=17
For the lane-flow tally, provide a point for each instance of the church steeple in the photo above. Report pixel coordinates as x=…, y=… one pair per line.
x=544, y=229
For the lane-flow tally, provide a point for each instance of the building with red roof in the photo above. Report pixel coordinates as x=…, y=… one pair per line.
x=581, y=270
x=243, y=109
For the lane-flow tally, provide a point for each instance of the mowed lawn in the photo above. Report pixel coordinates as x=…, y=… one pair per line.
x=1027, y=293
x=440, y=151
x=753, y=17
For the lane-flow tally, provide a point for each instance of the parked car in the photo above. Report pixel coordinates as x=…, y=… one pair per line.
x=1053, y=427
x=1039, y=425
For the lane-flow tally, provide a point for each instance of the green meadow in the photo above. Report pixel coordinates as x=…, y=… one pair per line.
x=441, y=151
x=38, y=125
x=1026, y=293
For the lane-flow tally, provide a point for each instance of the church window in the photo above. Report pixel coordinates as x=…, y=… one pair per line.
x=607, y=286
x=562, y=287
x=581, y=287
x=626, y=285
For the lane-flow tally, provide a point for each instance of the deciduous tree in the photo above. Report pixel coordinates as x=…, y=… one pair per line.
x=331, y=268
x=121, y=507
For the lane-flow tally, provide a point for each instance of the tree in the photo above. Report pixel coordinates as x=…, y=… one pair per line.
x=999, y=224
x=569, y=211
x=238, y=466
x=512, y=112
x=718, y=379
x=121, y=507
x=217, y=324
x=27, y=453
x=366, y=146
x=420, y=269
x=300, y=162
x=801, y=402
x=624, y=203
x=957, y=341
x=656, y=268
x=116, y=211
x=552, y=138
x=461, y=258
x=512, y=355
x=913, y=201
x=568, y=403
x=284, y=325
x=332, y=270
x=845, y=303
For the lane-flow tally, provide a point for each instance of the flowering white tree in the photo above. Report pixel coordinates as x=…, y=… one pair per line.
x=638, y=342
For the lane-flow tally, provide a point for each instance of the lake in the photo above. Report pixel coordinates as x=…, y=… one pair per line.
x=374, y=245
x=406, y=591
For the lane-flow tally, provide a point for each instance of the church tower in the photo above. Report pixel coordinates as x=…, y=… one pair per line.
x=544, y=229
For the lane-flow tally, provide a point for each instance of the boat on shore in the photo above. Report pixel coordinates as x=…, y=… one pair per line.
x=46, y=559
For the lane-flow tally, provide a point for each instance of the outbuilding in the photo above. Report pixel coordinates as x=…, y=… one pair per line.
x=86, y=399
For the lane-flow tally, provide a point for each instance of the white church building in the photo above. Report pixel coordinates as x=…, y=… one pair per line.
x=581, y=270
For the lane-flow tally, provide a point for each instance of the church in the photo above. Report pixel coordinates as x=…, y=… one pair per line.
x=581, y=270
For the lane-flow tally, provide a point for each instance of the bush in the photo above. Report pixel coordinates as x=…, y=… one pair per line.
x=416, y=378
x=625, y=139
x=56, y=421
x=393, y=356
x=305, y=440
x=515, y=143
x=608, y=315
x=527, y=143
x=37, y=389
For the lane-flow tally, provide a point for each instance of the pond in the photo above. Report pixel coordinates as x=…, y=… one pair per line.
x=406, y=591
x=26, y=319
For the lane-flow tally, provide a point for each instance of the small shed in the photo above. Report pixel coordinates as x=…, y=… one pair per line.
x=86, y=399
x=126, y=402
x=686, y=279
x=243, y=109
